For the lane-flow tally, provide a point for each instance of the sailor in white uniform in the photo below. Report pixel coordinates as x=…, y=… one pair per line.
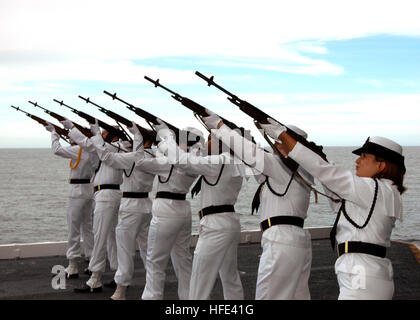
x=79, y=200
x=107, y=198
x=219, y=233
x=170, y=228
x=285, y=262
x=371, y=203
x=135, y=209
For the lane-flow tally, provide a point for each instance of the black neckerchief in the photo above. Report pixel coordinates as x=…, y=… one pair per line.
x=256, y=200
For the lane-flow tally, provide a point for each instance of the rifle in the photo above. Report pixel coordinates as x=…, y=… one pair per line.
x=150, y=118
x=199, y=110
x=60, y=131
x=147, y=134
x=112, y=132
x=83, y=129
x=260, y=116
x=87, y=100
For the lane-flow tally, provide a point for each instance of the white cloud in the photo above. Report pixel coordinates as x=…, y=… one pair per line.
x=44, y=42
x=371, y=82
x=96, y=40
x=147, y=29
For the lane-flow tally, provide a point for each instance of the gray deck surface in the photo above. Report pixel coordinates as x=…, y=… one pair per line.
x=31, y=278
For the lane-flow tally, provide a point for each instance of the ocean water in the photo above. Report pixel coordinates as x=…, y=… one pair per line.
x=33, y=188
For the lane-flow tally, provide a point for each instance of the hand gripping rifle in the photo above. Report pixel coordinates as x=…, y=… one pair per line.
x=199, y=110
x=112, y=132
x=150, y=118
x=147, y=134
x=260, y=116
x=84, y=130
x=60, y=131
x=113, y=116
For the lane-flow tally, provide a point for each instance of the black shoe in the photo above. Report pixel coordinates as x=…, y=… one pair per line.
x=88, y=272
x=86, y=289
x=72, y=276
x=110, y=284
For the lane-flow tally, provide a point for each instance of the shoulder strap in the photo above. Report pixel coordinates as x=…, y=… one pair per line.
x=169, y=176
x=197, y=187
x=372, y=207
x=132, y=168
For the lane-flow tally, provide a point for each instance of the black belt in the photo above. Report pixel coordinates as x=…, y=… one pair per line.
x=106, y=186
x=272, y=221
x=137, y=195
x=79, y=181
x=216, y=209
x=361, y=247
x=170, y=195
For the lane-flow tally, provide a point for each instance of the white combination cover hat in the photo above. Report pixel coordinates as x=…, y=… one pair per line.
x=384, y=148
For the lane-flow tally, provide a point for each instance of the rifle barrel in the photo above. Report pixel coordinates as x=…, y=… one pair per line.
x=157, y=84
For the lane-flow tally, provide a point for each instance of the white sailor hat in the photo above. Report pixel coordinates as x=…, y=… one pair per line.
x=384, y=148
x=297, y=130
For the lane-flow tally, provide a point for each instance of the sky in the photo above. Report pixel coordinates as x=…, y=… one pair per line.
x=340, y=70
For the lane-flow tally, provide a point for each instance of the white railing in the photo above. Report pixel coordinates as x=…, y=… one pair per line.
x=48, y=249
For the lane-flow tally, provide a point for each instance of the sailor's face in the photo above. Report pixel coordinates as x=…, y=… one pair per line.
x=105, y=134
x=367, y=166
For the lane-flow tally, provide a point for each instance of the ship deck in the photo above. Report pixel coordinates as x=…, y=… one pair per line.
x=30, y=278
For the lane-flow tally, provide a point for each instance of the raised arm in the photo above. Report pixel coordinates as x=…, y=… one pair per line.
x=267, y=163
x=338, y=180
x=189, y=161
x=120, y=160
x=69, y=152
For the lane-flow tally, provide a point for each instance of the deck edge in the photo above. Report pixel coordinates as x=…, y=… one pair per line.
x=48, y=249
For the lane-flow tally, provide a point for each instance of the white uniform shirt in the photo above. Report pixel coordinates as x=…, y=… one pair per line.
x=105, y=174
x=225, y=192
x=84, y=170
x=294, y=203
x=358, y=193
x=179, y=182
x=134, y=178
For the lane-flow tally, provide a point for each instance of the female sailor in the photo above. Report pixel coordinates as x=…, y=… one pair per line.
x=371, y=203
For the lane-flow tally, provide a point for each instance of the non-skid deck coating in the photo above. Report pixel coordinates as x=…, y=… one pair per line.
x=31, y=278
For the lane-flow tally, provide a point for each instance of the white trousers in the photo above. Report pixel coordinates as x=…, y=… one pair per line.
x=216, y=253
x=283, y=272
x=79, y=222
x=130, y=226
x=105, y=218
x=168, y=237
x=141, y=239
x=362, y=287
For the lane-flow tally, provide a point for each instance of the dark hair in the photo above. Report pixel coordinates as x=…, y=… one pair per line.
x=392, y=172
